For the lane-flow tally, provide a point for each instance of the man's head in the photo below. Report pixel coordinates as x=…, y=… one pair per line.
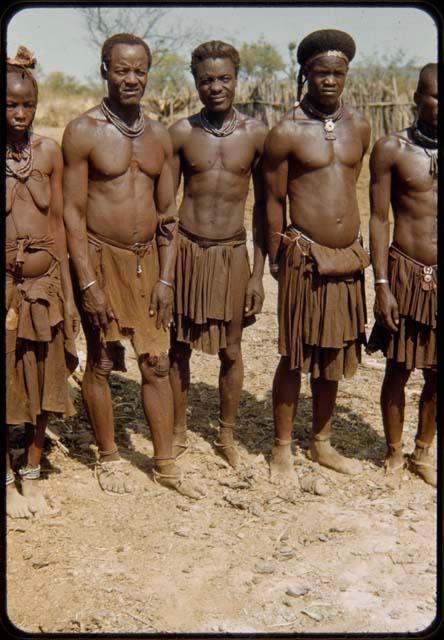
x=325, y=55
x=21, y=92
x=426, y=96
x=215, y=66
x=126, y=60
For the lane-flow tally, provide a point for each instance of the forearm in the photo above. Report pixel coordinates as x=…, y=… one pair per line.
x=275, y=227
x=260, y=250
x=167, y=247
x=77, y=241
x=379, y=245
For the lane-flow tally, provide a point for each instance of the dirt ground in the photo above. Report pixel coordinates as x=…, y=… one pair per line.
x=249, y=557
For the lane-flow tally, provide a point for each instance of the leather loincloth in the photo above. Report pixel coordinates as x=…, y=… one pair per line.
x=415, y=287
x=210, y=285
x=40, y=347
x=321, y=318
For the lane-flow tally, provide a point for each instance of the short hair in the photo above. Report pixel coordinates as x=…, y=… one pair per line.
x=214, y=49
x=123, y=38
x=427, y=70
x=331, y=41
x=22, y=63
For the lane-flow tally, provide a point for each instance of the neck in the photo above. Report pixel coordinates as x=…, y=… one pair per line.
x=218, y=118
x=427, y=130
x=127, y=113
x=17, y=137
x=324, y=108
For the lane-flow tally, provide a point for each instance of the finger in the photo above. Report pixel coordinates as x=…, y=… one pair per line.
x=94, y=320
x=110, y=314
x=103, y=320
x=153, y=304
x=248, y=301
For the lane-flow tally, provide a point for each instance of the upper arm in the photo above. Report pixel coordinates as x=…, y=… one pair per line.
x=177, y=135
x=260, y=135
x=275, y=163
x=56, y=207
x=76, y=148
x=382, y=159
x=164, y=189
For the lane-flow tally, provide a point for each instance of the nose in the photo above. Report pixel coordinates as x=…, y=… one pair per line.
x=131, y=78
x=216, y=86
x=19, y=113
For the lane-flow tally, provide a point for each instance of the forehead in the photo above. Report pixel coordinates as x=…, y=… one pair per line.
x=216, y=66
x=329, y=63
x=134, y=53
x=19, y=83
x=428, y=84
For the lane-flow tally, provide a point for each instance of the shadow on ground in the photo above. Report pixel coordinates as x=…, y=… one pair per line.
x=353, y=436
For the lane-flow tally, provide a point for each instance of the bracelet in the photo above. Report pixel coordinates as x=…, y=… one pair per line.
x=274, y=267
x=87, y=286
x=165, y=282
x=381, y=281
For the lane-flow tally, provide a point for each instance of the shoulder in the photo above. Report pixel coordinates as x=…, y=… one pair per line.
x=161, y=135
x=280, y=137
x=252, y=125
x=358, y=118
x=78, y=132
x=181, y=129
x=389, y=145
x=47, y=145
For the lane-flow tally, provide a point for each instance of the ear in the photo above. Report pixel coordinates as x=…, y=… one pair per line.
x=103, y=70
x=416, y=98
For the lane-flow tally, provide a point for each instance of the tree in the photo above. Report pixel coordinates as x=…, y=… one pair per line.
x=259, y=60
x=145, y=22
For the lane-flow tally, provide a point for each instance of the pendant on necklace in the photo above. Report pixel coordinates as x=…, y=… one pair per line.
x=329, y=127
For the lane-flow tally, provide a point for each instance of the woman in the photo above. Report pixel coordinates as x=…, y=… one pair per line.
x=41, y=319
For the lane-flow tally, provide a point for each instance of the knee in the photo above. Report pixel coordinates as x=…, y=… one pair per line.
x=231, y=354
x=154, y=367
x=102, y=368
x=180, y=355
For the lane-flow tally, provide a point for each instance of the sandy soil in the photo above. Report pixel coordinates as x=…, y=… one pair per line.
x=249, y=557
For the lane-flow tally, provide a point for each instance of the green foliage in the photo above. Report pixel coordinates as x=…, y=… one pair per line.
x=168, y=75
x=61, y=84
x=259, y=60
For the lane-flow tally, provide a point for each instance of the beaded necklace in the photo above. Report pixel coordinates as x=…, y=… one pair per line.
x=130, y=132
x=224, y=131
x=328, y=119
x=19, y=152
x=429, y=145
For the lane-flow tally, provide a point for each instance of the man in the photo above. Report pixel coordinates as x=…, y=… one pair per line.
x=314, y=156
x=404, y=172
x=120, y=219
x=216, y=151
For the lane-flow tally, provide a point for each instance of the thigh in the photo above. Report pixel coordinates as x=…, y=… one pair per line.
x=240, y=277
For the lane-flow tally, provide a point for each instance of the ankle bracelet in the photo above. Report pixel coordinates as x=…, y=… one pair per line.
x=227, y=425
x=29, y=473
x=10, y=479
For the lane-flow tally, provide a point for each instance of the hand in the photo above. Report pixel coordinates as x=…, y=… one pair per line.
x=274, y=271
x=72, y=318
x=162, y=304
x=97, y=307
x=254, y=296
x=386, y=308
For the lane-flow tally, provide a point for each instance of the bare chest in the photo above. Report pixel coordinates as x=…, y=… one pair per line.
x=204, y=152
x=114, y=155
x=414, y=171
x=312, y=150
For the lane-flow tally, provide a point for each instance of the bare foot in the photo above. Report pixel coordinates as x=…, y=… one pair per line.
x=31, y=490
x=180, y=444
x=323, y=453
x=112, y=476
x=171, y=477
x=281, y=465
x=394, y=466
x=16, y=504
x=421, y=464
x=226, y=447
